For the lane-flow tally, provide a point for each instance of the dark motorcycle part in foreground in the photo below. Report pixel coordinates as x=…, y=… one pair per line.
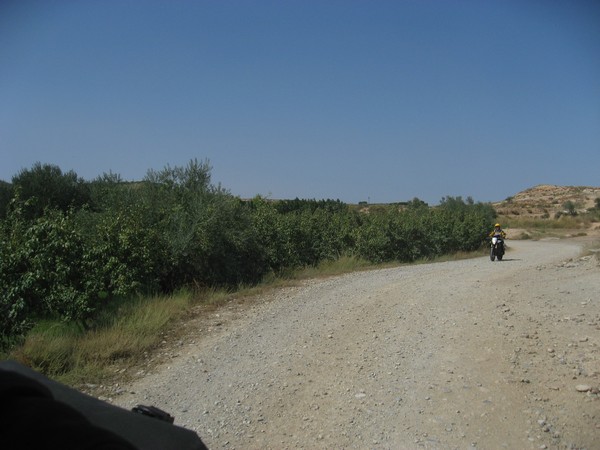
x=36, y=412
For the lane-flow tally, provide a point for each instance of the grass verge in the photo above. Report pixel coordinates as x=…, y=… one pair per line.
x=72, y=355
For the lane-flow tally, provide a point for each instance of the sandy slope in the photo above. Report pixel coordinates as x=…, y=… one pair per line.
x=465, y=354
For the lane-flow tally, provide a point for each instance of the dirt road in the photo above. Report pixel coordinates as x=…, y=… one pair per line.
x=464, y=354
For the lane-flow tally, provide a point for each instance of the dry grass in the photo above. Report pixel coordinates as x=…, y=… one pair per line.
x=563, y=227
x=72, y=355
x=564, y=222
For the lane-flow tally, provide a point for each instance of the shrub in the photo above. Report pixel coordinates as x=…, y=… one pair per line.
x=6, y=195
x=45, y=186
x=71, y=260
x=570, y=208
x=41, y=271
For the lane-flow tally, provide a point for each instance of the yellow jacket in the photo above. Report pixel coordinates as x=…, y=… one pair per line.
x=498, y=232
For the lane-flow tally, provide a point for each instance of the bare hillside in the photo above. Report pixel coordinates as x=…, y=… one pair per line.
x=548, y=199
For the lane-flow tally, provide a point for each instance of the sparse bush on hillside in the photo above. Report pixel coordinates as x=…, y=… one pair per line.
x=570, y=208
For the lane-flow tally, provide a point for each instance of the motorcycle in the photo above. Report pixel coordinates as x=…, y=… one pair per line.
x=497, y=248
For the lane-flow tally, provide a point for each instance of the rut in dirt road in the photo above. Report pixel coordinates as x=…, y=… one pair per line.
x=463, y=354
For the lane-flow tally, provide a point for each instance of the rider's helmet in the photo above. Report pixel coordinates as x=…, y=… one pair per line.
x=497, y=225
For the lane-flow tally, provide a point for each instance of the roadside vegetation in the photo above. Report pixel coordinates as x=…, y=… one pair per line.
x=93, y=272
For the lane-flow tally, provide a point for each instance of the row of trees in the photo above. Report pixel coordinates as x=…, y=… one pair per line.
x=69, y=247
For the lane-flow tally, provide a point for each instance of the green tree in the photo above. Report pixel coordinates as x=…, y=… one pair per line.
x=46, y=186
x=416, y=203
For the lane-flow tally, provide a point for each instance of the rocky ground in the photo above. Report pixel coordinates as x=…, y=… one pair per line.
x=463, y=354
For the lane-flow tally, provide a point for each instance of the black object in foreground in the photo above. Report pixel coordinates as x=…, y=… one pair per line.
x=153, y=411
x=36, y=412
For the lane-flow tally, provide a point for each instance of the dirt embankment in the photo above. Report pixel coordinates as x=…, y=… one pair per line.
x=465, y=354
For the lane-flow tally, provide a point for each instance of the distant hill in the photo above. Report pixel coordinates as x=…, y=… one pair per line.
x=548, y=199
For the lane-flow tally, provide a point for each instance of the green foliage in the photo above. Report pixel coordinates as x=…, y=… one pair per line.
x=228, y=252
x=287, y=206
x=419, y=232
x=6, y=194
x=118, y=257
x=45, y=186
x=302, y=233
x=205, y=233
x=570, y=208
x=40, y=271
x=416, y=204
x=109, y=191
x=70, y=250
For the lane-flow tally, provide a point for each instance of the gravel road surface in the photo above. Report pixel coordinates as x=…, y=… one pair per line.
x=463, y=354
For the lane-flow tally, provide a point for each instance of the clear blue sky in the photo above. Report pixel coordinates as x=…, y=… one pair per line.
x=345, y=99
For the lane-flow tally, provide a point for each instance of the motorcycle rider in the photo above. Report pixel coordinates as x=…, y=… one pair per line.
x=497, y=235
x=498, y=232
